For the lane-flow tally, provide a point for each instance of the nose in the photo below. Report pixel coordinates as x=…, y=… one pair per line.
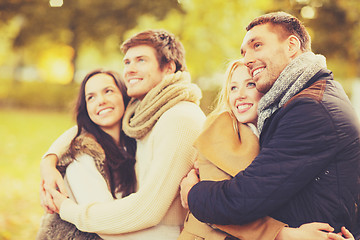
x=249, y=59
x=242, y=93
x=129, y=68
x=101, y=100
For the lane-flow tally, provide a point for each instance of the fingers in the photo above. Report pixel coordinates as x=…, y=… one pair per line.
x=43, y=202
x=343, y=235
x=335, y=236
x=196, y=167
x=193, y=176
x=347, y=234
x=186, y=184
x=184, y=194
x=61, y=186
x=318, y=226
x=49, y=201
x=324, y=226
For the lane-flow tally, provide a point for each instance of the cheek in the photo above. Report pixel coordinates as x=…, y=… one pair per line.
x=232, y=98
x=120, y=103
x=91, y=111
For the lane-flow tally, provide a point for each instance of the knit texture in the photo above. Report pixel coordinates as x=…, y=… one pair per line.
x=52, y=226
x=164, y=156
x=141, y=116
x=290, y=82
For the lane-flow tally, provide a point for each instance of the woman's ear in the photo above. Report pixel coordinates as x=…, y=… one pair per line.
x=294, y=46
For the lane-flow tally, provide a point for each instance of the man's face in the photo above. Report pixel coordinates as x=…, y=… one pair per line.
x=141, y=70
x=265, y=55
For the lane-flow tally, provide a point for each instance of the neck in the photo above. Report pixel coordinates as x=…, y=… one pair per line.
x=114, y=132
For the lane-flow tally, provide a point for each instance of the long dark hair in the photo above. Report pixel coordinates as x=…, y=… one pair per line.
x=119, y=162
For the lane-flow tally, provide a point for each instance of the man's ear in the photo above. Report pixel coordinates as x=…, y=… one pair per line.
x=170, y=67
x=294, y=46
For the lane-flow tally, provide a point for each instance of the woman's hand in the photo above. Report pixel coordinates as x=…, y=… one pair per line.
x=57, y=197
x=309, y=231
x=343, y=235
x=185, y=186
x=50, y=179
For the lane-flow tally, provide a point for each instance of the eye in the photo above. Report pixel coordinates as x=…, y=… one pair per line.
x=257, y=45
x=109, y=91
x=141, y=60
x=233, y=88
x=251, y=85
x=89, y=98
x=126, y=62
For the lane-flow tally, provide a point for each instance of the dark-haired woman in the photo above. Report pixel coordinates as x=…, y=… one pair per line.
x=99, y=163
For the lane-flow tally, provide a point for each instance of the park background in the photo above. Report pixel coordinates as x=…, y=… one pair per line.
x=47, y=47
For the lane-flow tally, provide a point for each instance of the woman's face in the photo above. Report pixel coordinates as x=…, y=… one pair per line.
x=243, y=96
x=104, y=102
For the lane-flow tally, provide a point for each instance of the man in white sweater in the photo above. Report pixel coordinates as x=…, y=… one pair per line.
x=165, y=118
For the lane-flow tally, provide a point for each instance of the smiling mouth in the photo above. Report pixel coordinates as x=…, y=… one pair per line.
x=104, y=111
x=257, y=71
x=134, y=80
x=243, y=107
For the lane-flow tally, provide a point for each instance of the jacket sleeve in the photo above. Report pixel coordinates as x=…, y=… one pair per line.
x=301, y=145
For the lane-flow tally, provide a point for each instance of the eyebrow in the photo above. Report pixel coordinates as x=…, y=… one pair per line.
x=248, y=43
x=91, y=93
x=137, y=57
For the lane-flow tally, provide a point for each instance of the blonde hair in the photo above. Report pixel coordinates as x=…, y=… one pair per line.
x=223, y=97
x=223, y=104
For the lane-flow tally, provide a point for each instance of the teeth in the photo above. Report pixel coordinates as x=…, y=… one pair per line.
x=105, y=111
x=257, y=71
x=243, y=106
x=133, y=81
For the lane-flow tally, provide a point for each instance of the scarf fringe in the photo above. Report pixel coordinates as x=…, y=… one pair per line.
x=141, y=116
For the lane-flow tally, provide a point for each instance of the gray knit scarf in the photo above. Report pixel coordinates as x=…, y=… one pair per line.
x=141, y=116
x=290, y=82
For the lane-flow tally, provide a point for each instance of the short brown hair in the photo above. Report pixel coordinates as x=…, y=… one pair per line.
x=288, y=25
x=167, y=47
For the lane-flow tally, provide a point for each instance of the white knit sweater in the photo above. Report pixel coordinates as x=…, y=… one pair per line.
x=164, y=156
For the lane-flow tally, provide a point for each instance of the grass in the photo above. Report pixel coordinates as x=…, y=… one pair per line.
x=25, y=136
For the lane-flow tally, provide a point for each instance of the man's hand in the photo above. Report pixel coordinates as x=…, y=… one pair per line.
x=308, y=231
x=186, y=184
x=343, y=235
x=50, y=179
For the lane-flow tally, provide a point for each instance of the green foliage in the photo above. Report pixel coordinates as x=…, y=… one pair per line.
x=38, y=95
x=25, y=136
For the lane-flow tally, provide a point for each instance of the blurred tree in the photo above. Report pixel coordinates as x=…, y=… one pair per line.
x=334, y=26
x=77, y=22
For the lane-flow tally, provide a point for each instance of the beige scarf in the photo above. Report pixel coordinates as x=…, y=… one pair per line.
x=141, y=116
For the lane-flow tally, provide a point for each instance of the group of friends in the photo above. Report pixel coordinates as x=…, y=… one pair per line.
x=278, y=158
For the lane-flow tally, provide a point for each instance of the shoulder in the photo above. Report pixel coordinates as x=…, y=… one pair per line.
x=185, y=111
x=183, y=118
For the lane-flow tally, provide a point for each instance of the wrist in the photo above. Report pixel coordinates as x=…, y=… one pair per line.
x=48, y=162
x=287, y=233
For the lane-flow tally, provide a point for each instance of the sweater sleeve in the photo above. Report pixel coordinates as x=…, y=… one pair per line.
x=173, y=156
x=301, y=145
x=62, y=143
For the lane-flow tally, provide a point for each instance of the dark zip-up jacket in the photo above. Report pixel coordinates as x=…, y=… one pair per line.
x=308, y=168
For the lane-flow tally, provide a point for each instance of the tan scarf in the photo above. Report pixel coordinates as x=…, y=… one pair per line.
x=141, y=116
x=223, y=153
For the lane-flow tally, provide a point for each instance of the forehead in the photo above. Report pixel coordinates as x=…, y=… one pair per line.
x=98, y=82
x=140, y=50
x=259, y=32
x=241, y=73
